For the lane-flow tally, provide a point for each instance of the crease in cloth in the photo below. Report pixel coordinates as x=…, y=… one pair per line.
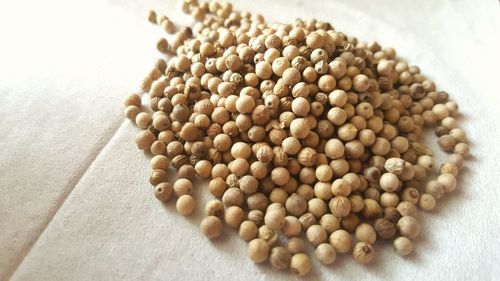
x=70, y=187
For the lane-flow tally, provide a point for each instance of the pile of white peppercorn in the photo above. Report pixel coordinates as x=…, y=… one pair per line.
x=300, y=130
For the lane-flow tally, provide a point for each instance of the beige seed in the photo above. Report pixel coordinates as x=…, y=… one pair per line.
x=299, y=128
x=159, y=162
x=234, y=216
x=295, y=245
x=409, y=227
x=341, y=240
x=316, y=234
x=274, y=219
x=448, y=181
x=183, y=186
x=365, y=233
x=389, y=182
x=248, y=230
x=163, y=191
x=427, y=202
x=300, y=264
x=214, y=207
x=403, y=246
x=325, y=253
x=185, y=205
x=280, y=258
x=211, y=227
x=258, y=250
x=363, y=253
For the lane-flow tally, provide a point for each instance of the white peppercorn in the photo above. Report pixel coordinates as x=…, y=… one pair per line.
x=394, y=165
x=234, y=216
x=291, y=227
x=427, y=202
x=306, y=220
x=407, y=208
x=365, y=233
x=185, y=204
x=296, y=205
x=144, y=139
x=274, y=219
x=268, y=235
x=159, y=162
x=325, y=253
x=363, y=252
x=214, y=207
x=233, y=197
x=299, y=128
x=448, y=168
x=317, y=207
x=316, y=234
x=280, y=258
x=158, y=176
x=435, y=188
x=341, y=187
x=462, y=149
x=403, y=246
x=340, y=206
x=408, y=227
x=183, y=186
x=389, y=199
x=295, y=245
x=300, y=264
x=248, y=230
x=448, y=181
x=211, y=226
x=163, y=191
x=341, y=240
x=258, y=250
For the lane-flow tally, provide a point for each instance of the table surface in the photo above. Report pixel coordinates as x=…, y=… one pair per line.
x=75, y=203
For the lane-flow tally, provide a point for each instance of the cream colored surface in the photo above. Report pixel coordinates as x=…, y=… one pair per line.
x=75, y=203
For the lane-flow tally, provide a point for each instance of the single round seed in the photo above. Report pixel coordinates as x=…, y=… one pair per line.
x=211, y=227
x=295, y=245
x=185, y=204
x=299, y=128
x=365, y=233
x=163, y=191
x=214, y=207
x=300, y=264
x=448, y=181
x=159, y=162
x=385, y=228
x=275, y=219
x=325, y=253
x=389, y=182
x=363, y=253
x=183, y=186
x=132, y=99
x=408, y=227
x=280, y=258
x=341, y=240
x=316, y=234
x=258, y=250
x=158, y=176
x=234, y=216
x=403, y=246
x=248, y=230
x=427, y=202
x=144, y=139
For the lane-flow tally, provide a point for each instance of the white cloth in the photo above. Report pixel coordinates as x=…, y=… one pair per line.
x=75, y=203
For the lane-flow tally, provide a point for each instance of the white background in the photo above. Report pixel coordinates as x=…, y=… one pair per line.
x=75, y=203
